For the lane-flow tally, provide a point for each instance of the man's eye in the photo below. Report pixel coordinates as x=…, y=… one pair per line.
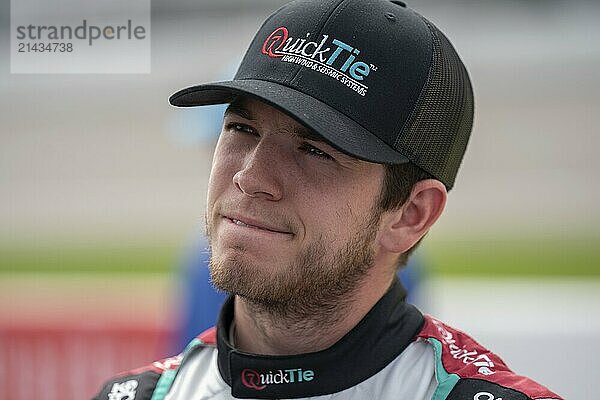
x=236, y=126
x=313, y=151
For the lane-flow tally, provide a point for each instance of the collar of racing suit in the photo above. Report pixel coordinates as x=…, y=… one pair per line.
x=387, y=329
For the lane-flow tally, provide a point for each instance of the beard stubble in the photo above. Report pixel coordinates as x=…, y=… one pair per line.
x=317, y=282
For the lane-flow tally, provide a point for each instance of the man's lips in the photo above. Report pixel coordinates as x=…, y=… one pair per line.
x=255, y=224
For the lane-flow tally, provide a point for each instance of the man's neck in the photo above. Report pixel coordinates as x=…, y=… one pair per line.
x=288, y=330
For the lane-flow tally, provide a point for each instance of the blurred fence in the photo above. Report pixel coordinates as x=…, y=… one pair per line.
x=71, y=361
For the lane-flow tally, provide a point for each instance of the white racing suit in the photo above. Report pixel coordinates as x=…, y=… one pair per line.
x=394, y=353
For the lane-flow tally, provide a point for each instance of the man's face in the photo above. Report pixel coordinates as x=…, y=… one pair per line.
x=289, y=218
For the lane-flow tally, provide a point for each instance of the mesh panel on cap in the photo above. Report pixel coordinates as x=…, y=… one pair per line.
x=436, y=134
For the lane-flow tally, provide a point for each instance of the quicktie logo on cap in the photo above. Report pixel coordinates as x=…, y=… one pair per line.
x=337, y=62
x=258, y=381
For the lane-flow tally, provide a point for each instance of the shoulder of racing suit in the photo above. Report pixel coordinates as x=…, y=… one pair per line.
x=466, y=370
x=151, y=381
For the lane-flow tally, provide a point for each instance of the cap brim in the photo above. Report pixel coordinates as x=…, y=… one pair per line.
x=336, y=128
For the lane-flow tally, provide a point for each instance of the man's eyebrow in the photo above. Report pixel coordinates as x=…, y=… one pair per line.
x=307, y=134
x=239, y=110
x=300, y=132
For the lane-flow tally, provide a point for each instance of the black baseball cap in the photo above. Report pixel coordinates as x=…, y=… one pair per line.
x=372, y=77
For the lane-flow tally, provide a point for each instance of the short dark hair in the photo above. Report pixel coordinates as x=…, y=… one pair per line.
x=398, y=182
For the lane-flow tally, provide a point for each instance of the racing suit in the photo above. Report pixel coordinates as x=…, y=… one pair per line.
x=395, y=352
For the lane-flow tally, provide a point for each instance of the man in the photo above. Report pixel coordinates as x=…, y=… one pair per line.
x=348, y=120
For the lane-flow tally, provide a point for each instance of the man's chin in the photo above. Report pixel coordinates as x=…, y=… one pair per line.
x=255, y=282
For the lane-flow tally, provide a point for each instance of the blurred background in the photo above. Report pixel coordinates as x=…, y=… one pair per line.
x=103, y=186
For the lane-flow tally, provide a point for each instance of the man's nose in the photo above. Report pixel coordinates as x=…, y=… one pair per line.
x=260, y=173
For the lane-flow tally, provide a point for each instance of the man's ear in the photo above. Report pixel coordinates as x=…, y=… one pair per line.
x=402, y=228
